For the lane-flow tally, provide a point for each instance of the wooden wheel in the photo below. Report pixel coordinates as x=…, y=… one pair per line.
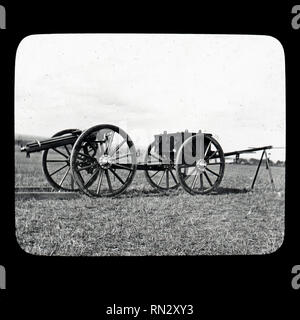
x=163, y=178
x=56, y=165
x=200, y=164
x=103, y=161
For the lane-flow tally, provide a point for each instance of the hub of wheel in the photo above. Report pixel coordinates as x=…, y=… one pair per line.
x=201, y=165
x=105, y=161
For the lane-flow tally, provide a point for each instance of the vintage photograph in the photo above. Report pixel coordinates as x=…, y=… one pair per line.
x=149, y=144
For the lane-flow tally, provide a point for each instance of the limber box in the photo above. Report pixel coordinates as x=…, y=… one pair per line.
x=168, y=144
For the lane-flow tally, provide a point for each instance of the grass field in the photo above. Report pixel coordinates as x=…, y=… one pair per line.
x=142, y=221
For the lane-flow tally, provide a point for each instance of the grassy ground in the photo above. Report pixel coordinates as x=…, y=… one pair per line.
x=144, y=222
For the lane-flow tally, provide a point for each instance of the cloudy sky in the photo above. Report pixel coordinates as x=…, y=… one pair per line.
x=229, y=85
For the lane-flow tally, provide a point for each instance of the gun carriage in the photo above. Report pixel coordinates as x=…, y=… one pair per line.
x=102, y=161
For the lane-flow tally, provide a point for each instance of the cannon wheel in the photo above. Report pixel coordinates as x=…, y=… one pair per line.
x=113, y=166
x=164, y=179
x=205, y=173
x=56, y=165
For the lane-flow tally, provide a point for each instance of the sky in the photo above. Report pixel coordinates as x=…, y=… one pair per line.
x=232, y=86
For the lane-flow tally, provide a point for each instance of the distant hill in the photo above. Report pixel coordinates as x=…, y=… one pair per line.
x=253, y=161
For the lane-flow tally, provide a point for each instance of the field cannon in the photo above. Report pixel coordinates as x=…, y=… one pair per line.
x=102, y=161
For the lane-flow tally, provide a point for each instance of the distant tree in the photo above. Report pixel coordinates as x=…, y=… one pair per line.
x=280, y=163
x=253, y=161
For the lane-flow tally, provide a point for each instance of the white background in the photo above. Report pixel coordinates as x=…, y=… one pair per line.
x=230, y=85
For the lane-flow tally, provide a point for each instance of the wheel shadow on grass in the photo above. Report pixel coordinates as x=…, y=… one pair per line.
x=222, y=190
x=148, y=193
x=173, y=193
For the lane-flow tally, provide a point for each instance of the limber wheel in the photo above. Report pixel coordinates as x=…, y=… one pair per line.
x=200, y=164
x=163, y=177
x=56, y=165
x=108, y=165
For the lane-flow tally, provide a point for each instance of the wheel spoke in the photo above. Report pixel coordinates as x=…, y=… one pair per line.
x=99, y=181
x=109, y=143
x=60, y=153
x=118, y=165
x=117, y=176
x=85, y=155
x=194, y=181
x=201, y=181
x=64, y=177
x=58, y=170
x=167, y=178
x=207, y=178
x=173, y=177
x=68, y=151
x=213, y=154
x=121, y=157
x=80, y=178
x=108, y=181
x=207, y=149
x=160, y=180
x=118, y=147
x=189, y=175
x=212, y=172
x=214, y=163
x=87, y=184
x=155, y=174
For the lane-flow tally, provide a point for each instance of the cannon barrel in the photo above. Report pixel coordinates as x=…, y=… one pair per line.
x=54, y=142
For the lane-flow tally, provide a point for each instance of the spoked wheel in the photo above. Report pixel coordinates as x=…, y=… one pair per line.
x=103, y=161
x=200, y=164
x=56, y=165
x=164, y=177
